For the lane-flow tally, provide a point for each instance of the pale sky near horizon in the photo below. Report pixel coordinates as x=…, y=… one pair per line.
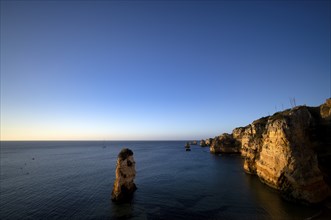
x=157, y=70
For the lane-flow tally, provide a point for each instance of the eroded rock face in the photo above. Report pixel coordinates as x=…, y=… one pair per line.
x=208, y=141
x=325, y=110
x=251, y=139
x=287, y=160
x=281, y=150
x=289, y=151
x=202, y=143
x=225, y=143
x=124, y=185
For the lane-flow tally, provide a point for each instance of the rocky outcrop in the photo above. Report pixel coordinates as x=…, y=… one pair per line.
x=208, y=141
x=325, y=110
x=225, y=143
x=284, y=158
x=124, y=185
x=289, y=151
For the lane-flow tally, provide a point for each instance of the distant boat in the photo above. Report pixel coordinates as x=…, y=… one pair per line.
x=187, y=146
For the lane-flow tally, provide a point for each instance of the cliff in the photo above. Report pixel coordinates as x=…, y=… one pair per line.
x=289, y=151
x=225, y=143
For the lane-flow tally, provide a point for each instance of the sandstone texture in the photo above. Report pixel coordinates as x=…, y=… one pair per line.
x=225, y=143
x=208, y=141
x=124, y=185
x=289, y=151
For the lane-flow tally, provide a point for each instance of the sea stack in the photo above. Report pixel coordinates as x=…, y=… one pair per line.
x=124, y=185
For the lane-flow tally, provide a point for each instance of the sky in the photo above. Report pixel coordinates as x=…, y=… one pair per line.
x=157, y=70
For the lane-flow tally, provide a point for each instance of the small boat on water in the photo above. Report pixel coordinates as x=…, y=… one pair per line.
x=187, y=146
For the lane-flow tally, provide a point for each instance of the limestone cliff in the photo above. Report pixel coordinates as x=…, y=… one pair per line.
x=290, y=151
x=124, y=185
x=225, y=143
x=206, y=143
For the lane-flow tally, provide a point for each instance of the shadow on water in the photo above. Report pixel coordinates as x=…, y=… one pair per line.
x=127, y=210
x=272, y=202
x=177, y=213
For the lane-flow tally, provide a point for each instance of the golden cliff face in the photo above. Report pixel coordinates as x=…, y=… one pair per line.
x=224, y=143
x=288, y=151
x=280, y=150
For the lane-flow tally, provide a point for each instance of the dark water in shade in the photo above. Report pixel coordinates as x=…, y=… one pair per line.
x=73, y=180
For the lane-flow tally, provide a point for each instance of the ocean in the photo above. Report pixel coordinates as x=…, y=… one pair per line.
x=74, y=180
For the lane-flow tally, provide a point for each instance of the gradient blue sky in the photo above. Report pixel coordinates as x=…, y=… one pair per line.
x=132, y=70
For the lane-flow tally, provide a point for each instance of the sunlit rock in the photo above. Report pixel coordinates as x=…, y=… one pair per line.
x=209, y=141
x=124, y=185
x=225, y=143
x=289, y=151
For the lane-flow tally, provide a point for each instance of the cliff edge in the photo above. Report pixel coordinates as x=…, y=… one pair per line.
x=289, y=151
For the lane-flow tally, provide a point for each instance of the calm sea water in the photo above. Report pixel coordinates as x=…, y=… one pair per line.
x=73, y=180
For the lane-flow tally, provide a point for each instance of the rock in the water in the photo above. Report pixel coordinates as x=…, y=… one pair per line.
x=225, y=143
x=124, y=185
x=203, y=143
x=208, y=141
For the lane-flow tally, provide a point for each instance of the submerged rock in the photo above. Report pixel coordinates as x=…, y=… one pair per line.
x=124, y=185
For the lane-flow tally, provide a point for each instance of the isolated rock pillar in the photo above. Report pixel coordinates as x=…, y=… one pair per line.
x=124, y=185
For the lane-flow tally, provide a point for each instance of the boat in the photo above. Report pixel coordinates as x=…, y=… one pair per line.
x=187, y=146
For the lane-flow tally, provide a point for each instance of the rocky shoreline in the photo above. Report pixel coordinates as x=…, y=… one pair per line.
x=290, y=151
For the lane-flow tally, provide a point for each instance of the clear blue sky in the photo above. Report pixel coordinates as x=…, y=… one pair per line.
x=132, y=70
